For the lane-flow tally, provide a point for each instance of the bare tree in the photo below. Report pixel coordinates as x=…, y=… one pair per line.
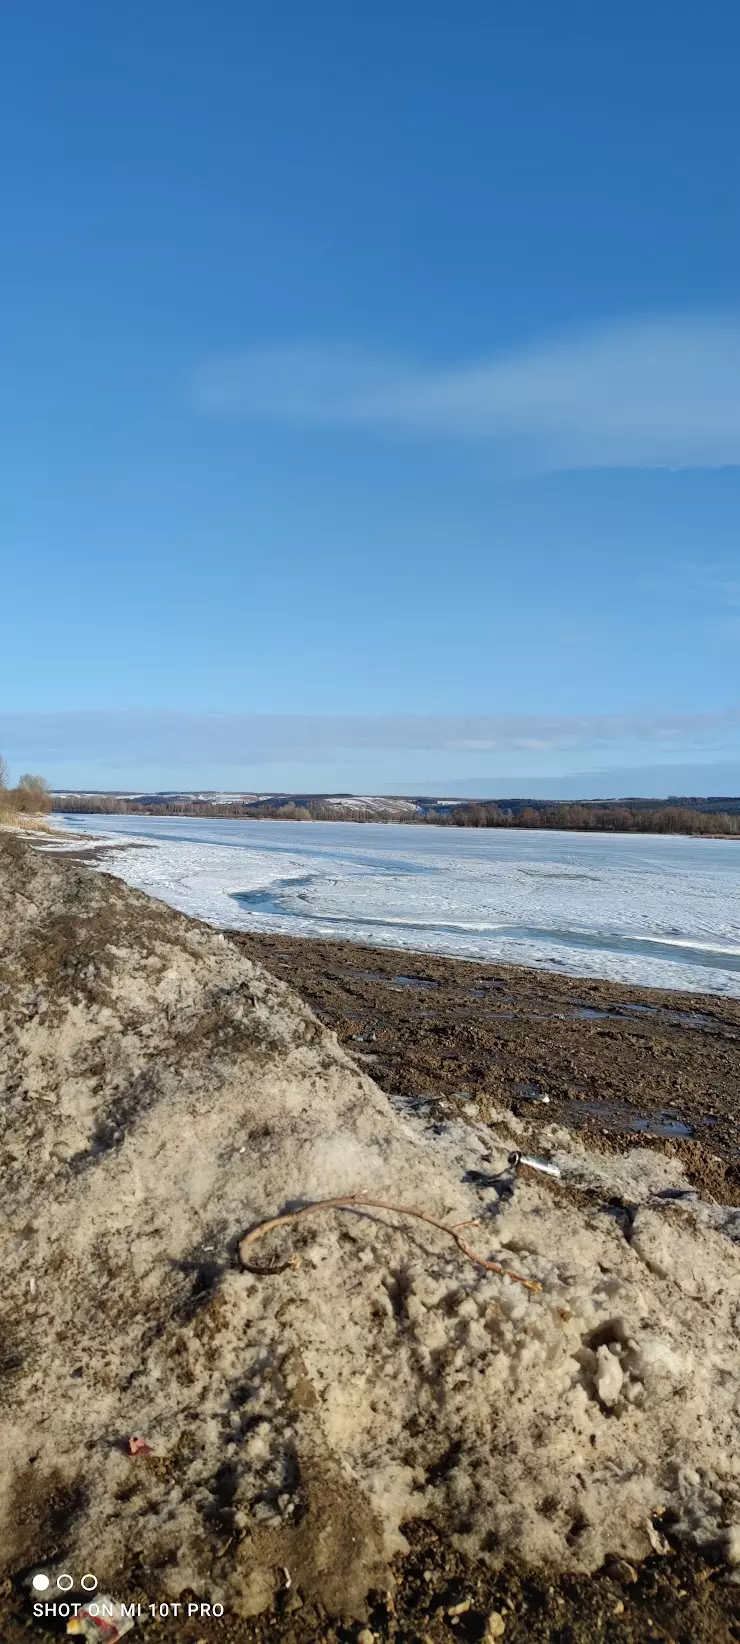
x=32, y=794
x=3, y=773
x=33, y=784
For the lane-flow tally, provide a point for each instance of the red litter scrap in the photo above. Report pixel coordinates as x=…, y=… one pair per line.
x=99, y=1629
x=139, y=1447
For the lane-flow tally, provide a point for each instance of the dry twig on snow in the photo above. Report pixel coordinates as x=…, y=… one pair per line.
x=358, y=1201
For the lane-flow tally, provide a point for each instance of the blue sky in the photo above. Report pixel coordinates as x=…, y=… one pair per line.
x=370, y=394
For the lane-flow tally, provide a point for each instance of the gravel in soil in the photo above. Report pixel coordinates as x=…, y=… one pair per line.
x=442, y=1597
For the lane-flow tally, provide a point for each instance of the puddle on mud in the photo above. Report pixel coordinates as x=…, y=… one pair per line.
x=662, y=1014
x=614, y=1116
x=411, y=982
x=662, y=1125
x=399, y=981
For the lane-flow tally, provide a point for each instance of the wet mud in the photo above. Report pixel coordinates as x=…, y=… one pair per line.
x=627, y=1065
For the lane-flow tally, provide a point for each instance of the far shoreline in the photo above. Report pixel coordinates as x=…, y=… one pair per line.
x=708, y=816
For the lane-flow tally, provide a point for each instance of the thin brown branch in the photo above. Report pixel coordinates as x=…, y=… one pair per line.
x=358, y=1201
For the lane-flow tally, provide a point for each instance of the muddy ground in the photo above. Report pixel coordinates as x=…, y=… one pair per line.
x=618, y=1062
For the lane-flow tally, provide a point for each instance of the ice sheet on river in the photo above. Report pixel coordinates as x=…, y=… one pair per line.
x=650, y=910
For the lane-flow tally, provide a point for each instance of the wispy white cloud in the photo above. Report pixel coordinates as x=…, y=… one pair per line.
x=497, y=753
x=653, y=393
x=245, y=739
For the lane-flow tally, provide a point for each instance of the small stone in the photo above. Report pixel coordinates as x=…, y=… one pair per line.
x=366, y=1636
x=460, y=1609
x=657, y=1539
x=619, y=1570
x=495, y=1627
x=619, y=1607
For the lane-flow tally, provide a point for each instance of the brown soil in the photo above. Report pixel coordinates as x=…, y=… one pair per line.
x=620, y=1063
x=684, y=1599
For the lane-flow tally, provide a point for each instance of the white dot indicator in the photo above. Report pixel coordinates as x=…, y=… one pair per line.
x=65, y=1582
x=89, y=1582
x=40, y=1582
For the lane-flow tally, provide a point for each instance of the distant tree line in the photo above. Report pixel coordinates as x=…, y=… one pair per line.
x=638, y=816
x=287, y=811
x=31, y=794
x=592, y=818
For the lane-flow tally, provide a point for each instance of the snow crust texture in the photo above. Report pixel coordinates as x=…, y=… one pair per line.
x=161, y=1094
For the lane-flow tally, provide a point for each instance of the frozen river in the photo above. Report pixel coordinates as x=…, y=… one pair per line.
x=652, y=910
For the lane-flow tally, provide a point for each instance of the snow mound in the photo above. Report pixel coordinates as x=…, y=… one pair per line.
x=163, y=1094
